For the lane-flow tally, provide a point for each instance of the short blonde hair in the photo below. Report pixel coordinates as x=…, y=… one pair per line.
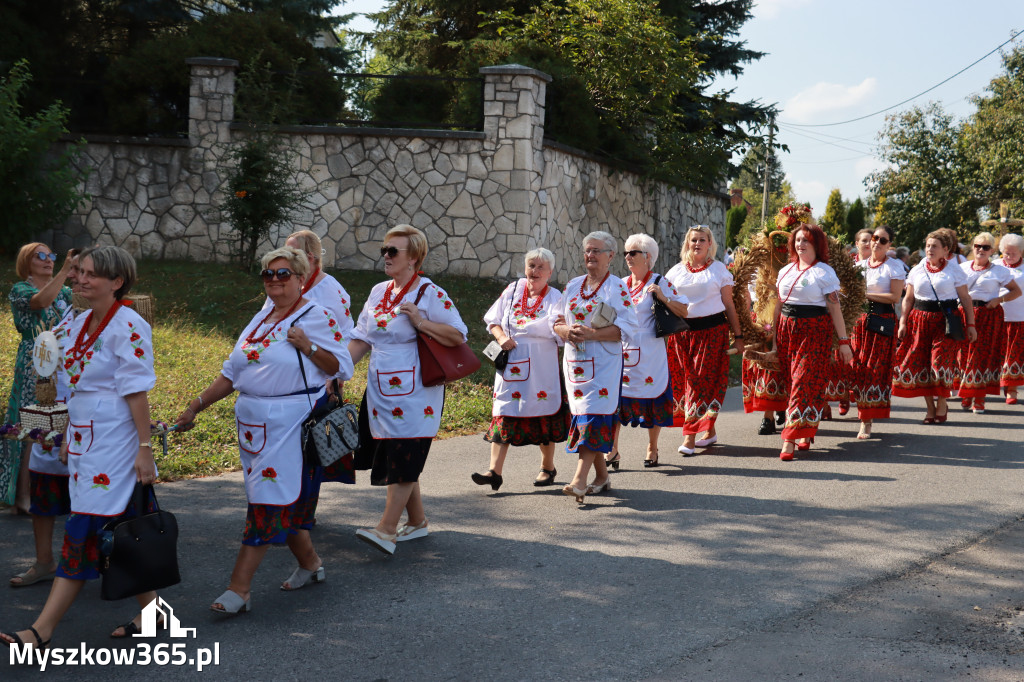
x=296, y=259
x=684, y=252
x=986, y=237
x=418, y=246
x=645, y=243
x=308, y=242
x=25, y=256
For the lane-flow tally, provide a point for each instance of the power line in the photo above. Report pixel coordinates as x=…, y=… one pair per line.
x=834, y=137
x=818, y=163
x=899, y=104
x=833, y=144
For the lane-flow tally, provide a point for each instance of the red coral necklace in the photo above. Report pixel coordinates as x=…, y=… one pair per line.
x=1015, y=265
x=707, y=264
x=980, y=269
x=633, y=292
x=310, y=282
x=524, y=306
x=593, y=293
x=386, y=303
x=874, y=266
x=929, y=268
x=251, y=339
x=83, y=343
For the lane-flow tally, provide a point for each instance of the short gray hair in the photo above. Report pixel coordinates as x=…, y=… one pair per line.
x=902, y=252
x=645, y=243
x=543, y=254
x=111, y=262
x=1011, y=240
x=603, y=237
x=296, y=259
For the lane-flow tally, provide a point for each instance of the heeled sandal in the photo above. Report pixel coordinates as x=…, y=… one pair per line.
x=578, y=493
x=786, y=456
x=613, y=461
x=806, y=445
x=493, y=479
x=300, y=577
x=231, y=603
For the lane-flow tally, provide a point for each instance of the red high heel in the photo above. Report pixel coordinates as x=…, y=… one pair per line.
x=786, y=456
x=941, y=418
x=805, y=445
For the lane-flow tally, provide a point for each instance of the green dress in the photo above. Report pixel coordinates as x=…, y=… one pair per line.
x=29, y=323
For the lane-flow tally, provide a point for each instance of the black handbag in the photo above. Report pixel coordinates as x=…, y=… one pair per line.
x=666, y=322
x=954, y=325
x=880, y=325
x=139, y=554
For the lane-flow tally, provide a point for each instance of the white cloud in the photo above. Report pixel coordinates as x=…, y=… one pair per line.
x=807, y=105
x=771, y=9
x=869, y=165
x=813, y=192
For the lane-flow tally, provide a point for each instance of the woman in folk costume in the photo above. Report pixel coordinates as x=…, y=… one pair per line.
x=646, y=399
x=266, y=368
x=109, y=365
x=981, y=362
x=528, y=406
x=48, y=475
x=807, y=311
x=874, y=345
x=399, y=416
x=762, y=388
x=925, y=363
x=597, y=317
x=697, y=358
x=1012, y=373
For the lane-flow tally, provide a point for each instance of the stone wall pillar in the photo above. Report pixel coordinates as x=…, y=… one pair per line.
x=514, y=153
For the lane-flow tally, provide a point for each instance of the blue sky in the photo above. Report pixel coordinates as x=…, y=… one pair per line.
x=831, y=61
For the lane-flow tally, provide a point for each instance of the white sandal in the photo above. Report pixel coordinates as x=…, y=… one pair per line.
x=231, y=603
x=300, y=577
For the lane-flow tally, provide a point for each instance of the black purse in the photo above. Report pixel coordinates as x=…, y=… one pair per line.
x=666, y=322
x=880, y=325
x=139, y=554
x=954, y=325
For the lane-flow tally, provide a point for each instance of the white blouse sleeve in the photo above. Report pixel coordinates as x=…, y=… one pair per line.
x=896, y=269
x=723, y=277
x=133, y=348
x=671, y=293
x=829, y=281
x=361, y=332
x=625, y=311
x=436, y=306
x=958, y=276
x=1003, y=274
x=554, y=308
x=323, y=329
x=495, y=315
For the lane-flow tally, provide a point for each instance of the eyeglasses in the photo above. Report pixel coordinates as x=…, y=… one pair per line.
x=881, y=240
x=634, y=253
x=594, y=252
x=983, y=247
x=52, y=257
x=283, y=274
x=390, y=251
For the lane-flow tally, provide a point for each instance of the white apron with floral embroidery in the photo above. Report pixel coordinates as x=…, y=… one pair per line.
x=269, y=445
x=46, y=459
x=593, y=373
x=645, y=362
x=102, y=445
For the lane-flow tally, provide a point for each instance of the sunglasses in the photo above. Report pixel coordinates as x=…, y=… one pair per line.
x=634, y=252
x=52, y=257
x=983, y=247
x=282, y=274
x=881, y=240
x=390, y=251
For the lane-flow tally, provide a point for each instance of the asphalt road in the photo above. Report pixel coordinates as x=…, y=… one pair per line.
x=860, y=561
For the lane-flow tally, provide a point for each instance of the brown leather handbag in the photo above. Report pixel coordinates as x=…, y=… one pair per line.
x=441, y=364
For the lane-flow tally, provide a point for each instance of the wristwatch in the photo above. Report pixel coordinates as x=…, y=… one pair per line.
x=312, y=349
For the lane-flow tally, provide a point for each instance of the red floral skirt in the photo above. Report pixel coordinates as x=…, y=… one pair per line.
x=981, y=362
x=870, y=378
x=647, y=412
x=699, y=371
x=592, y=431
x=1013, y=358
x=925, y=362
x=80, y=555
x=49, y=494
x=763, y=389
x=802, y=344
x=268, y=524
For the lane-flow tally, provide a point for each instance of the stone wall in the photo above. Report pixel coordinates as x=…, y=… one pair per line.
x=483, y=198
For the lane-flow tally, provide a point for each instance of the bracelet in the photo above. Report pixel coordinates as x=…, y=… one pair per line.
x=969, y=326
x=187, y=407
x=145, y=445
x=844, y=342
x=200, y=399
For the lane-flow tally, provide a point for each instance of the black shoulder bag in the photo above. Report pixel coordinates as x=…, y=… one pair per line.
x=139, y=554
x=666, y=322
x=954, y=325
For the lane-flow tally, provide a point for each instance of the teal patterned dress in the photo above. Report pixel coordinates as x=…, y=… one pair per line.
x=29, y=323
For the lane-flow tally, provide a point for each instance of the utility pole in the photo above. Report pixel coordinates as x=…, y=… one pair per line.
x=767, y=172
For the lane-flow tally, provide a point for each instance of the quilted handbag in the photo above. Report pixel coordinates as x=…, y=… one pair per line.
x=140, y=553
x=333, y=435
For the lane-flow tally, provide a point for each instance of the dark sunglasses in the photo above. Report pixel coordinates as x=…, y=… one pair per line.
x=283, y=274
x=390, y=251
x=46, y=256
x=633, y=252
x=881, y=240
x=983, y=247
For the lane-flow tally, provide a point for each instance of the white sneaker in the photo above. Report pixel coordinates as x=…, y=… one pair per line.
x=408, y=532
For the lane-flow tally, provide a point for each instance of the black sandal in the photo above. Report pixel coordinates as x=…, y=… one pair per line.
x=131, y=629
x=548, y=477
x=40, y=644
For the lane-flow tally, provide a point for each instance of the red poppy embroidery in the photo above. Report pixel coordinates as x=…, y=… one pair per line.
x=88, y=356
x=375, y=413
x=603, y=393
x=134, y=337
x=382, y=324
x=397, y=413
x=76, y=477
x=580, y=316
x=577, y=393
x=428, y=411
x=266, y=343
x=517, y=395
x=248, y=470
x=516, y=370
x=252, y=356
x=69, y=364
x=78, y=438
x=542, y=395
x=625, y=379
x=447, y=305
x=626, y=356
x=270, y=474
x=331, y=323
x=337, y=336
x=577, y=370
x=395, y=381
x=101, y=481
x=347, y=314
x=248, y=436
x=139, y=352
x=649, y=380
x=74, y=380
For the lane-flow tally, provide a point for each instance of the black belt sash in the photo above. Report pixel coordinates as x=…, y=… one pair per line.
x=930, y=306
x=876, y=308
x=803, y=312
x=706, y=322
